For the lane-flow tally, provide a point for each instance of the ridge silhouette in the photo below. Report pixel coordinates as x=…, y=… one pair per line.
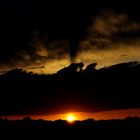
x=87, y=128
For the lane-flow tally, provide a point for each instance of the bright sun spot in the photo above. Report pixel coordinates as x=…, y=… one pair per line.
x=70, y=118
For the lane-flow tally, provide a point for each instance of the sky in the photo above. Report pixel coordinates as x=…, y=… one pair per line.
x=44, y=37
x=103, y=115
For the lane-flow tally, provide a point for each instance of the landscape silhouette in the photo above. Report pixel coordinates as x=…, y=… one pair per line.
x=119, y=128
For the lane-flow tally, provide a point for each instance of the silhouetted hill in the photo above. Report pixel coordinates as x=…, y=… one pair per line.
x=108, y=88
x=60, y=128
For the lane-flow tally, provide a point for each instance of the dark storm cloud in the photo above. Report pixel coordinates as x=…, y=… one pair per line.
x=44, y=55
x=109, y=27
x=91, y=90
x=110, y=33
x=110, y=36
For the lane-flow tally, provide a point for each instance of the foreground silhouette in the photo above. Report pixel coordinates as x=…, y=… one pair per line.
x=88, y=128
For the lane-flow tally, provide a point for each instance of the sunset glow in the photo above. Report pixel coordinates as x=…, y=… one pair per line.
x=103, y=115
x=70, y=118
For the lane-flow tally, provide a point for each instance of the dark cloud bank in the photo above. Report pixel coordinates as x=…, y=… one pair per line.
x=106, y=37
x=71, y=89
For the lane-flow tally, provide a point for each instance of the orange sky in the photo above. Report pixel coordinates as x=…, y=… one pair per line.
x=104, y=115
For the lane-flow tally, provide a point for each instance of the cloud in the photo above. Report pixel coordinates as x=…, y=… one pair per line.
x=41, y=56
x=112, y=38
x=52, y=56
x=110, y=24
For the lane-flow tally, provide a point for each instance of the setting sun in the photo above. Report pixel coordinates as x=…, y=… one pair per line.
x=70, y=118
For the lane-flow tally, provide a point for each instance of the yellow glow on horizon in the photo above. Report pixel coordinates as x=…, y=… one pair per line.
x=70, y=118
x=103, y=115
